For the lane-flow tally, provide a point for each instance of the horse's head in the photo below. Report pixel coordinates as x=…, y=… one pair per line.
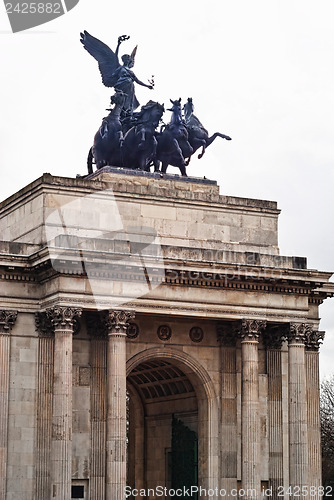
x=188, y=108
x=151, y=113
x=118, y=98
x=176, y=106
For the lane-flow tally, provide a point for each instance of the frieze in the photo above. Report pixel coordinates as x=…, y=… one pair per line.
x=7, y=321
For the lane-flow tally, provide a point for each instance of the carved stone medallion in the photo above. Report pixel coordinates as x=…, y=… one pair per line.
x=164, y=332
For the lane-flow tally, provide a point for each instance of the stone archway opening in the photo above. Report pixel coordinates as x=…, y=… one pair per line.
x=163, y=426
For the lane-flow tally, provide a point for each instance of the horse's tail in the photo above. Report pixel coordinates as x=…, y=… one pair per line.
x=90, y=158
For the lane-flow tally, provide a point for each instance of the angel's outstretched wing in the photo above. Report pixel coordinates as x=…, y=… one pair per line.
x=107, y=59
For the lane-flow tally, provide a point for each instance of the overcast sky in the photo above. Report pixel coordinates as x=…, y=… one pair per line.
x=261, y=72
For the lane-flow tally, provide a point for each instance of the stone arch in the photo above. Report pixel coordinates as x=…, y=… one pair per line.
x=208, y=462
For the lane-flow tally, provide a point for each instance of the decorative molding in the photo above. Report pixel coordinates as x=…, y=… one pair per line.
x=313, y=340
x=251, y=329
x=164, y=332
x=196, y=334
x=298, y=333
x=7, y=321
x=64, y=317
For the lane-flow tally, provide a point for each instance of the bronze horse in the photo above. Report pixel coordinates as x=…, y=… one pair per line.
x=173, y=145
x=198, y=135
x=109, y=137
x=140, y=144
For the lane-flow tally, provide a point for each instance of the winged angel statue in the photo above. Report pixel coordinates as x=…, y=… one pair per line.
x=116, y=75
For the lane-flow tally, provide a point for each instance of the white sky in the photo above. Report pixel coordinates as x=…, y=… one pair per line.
x=261, y=72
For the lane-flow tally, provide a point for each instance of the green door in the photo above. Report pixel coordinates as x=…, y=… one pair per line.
x=184, y=458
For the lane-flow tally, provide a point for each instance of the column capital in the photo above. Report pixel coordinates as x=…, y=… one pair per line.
x=7, y=321
x=96, y=326
x=116, y=321
x=43, y=324
x=227, y=333
x=250, y=329
x=275, y=335
x=313, y=340
x=64, y=317
x=298, y=332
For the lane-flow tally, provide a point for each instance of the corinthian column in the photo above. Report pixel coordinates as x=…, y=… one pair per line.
x=273, y=341
x=63, y=320
x=298, y=442
x=117, y=323
x=314, y=339
x=250, y=445
x=7, y=320
x=228, y=429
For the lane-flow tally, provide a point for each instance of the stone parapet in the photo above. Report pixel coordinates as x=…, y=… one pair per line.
x=186, y=212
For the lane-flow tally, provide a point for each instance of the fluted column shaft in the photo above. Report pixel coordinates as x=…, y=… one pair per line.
x=250, y=465
x=228, y=442
x=313, y=410
x=7, y=320
x=116, y=405
x=97, y=483
x=275, y=419
x=298, y=442
x=61, y=445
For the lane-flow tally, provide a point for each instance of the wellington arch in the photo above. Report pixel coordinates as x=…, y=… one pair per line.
x=153, y=339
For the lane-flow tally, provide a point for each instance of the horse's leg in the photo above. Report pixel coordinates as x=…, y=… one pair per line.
x=164, y=166
x=213, y=137
x=183, y=170
x=203, y=145
x=90, y=161
x=141, y=144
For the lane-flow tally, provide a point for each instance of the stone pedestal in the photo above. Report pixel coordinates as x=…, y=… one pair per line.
x=61, y=458
x=117, y=322
x=7, y=320
x=298, y=441
x=250, y=448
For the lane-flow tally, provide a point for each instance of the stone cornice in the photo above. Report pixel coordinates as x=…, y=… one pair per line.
x=7, y=321
x=38, y=267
